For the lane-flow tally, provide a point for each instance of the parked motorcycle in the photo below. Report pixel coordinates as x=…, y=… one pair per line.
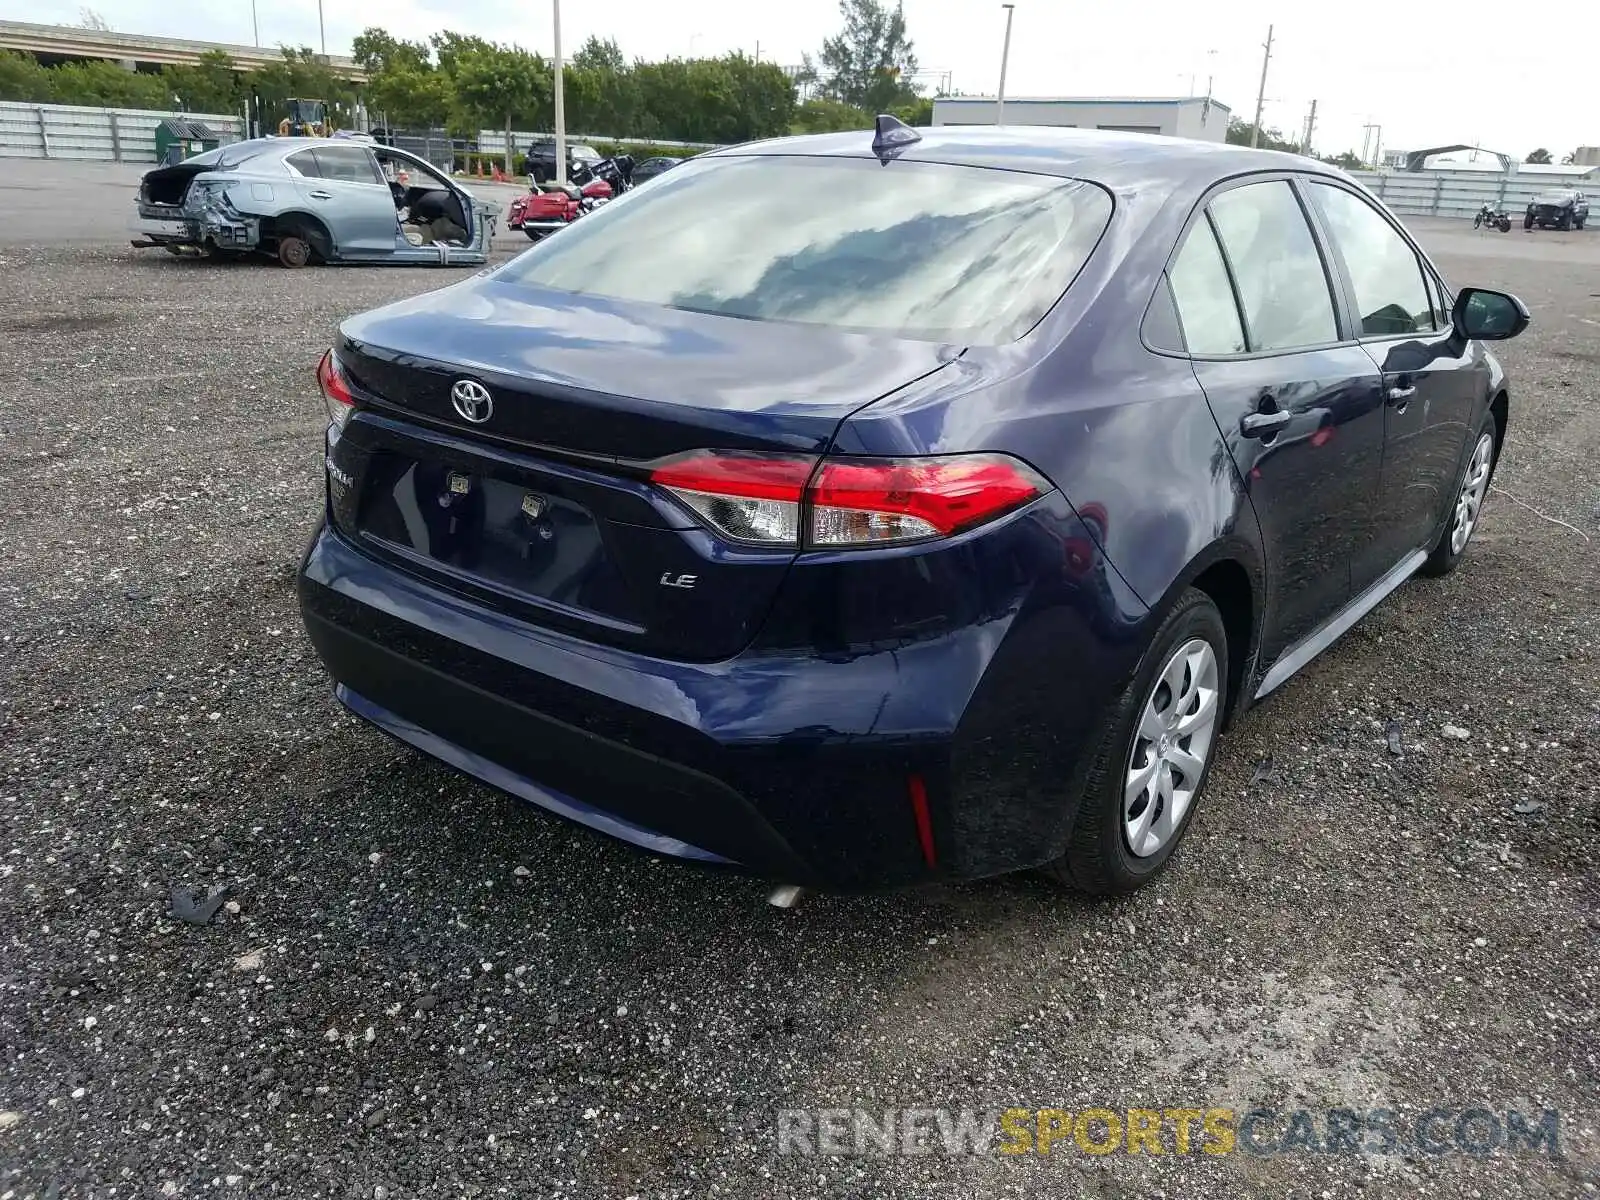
x=1492, y=217
x=549, y=206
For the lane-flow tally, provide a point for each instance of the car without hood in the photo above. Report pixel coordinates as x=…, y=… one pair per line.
x=300, y=200
x=1559, y=208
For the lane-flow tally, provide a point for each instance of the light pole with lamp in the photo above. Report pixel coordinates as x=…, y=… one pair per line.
x=1005, y=55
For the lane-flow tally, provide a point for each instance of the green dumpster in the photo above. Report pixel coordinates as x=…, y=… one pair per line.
x=178, y=139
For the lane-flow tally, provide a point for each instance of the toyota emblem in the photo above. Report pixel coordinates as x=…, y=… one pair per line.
x=472, y=400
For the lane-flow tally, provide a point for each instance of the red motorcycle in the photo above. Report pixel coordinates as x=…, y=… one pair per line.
x=550, y=207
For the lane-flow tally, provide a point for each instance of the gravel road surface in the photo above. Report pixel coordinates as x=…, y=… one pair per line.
x=417, y=987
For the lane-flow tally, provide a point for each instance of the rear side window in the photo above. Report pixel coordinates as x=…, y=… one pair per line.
x=1282, y=284
x=351, y=164
x=920, y=250
x=1200, y=286
x=1391, y=293
x=306, y=163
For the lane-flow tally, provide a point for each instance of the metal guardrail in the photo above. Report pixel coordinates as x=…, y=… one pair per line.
x=94, y=134
x=1461, y=193
x=493, y=141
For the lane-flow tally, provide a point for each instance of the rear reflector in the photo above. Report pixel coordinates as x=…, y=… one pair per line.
x=847, y=502
x=919, y=812
x=336, y=393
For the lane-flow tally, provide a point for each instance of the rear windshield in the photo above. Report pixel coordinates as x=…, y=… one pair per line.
x=921, y=250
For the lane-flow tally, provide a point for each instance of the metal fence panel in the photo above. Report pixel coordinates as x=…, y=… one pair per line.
x=94, y=134
x=1460, y=193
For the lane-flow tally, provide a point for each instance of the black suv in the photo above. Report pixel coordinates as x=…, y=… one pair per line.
x=1562, y=208
x=542, y=159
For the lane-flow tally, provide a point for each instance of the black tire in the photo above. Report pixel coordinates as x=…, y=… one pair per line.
x=1527, y=221
x=1505, y=224
x=534, y=234
x=1564, y=222
x=1098, y=859
x=1477, y=221
x=1444, y=558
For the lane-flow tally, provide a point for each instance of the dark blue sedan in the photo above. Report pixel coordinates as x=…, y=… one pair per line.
x=864, y=510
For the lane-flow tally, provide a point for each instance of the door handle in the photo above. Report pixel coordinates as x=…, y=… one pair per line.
x=319, y=195
x=1264, y=425
x=1398, y=392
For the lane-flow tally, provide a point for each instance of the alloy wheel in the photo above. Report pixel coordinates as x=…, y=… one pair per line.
x=1177, y=726
x=1470, y=502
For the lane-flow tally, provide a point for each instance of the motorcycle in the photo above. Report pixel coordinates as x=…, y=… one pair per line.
x=549, y=207
x=1492, y=217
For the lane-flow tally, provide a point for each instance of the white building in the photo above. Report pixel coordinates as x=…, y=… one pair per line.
x=1189, y=116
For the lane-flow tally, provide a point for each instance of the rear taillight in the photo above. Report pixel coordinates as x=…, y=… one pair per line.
x=336, y=391
x=782, y=500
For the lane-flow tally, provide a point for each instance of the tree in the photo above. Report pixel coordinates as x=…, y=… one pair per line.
x=1541, y=155
x=100, y=83
x=403, y=85
x=89, y=19
x=1239, y=131
x=23, y=79
x=599, y=55
x=870, y=63
x=1345, y=159
x=209, y=86
x=830, y=116
x=494, y=83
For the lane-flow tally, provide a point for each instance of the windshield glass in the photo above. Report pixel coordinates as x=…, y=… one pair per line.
x=922, y=250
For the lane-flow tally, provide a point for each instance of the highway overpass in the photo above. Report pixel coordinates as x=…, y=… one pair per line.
x=52, y=44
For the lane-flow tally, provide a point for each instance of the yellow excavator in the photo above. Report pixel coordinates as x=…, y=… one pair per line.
x=307, y=118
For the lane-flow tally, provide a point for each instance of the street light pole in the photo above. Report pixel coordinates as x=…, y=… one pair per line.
x=1005, y=55
x=561, y=105
x=322, y=30
x=255, y=25
x=1261, y=94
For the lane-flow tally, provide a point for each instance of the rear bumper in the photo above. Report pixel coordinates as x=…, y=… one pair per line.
x=790, y=766
x=162, y=228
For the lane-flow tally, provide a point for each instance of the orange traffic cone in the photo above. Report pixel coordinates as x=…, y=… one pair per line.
x=499, y=176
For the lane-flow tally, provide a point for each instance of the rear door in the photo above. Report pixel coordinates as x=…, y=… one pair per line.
x=1298, y=403
x=1431, y=380
x=349, y=195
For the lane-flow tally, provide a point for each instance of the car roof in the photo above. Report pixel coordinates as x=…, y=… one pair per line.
x=1113, y=158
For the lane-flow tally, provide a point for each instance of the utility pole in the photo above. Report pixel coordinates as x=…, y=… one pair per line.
x=1261, y=93
x=255, y=25
x=561, y=106
x=1311, y=128
x=322, y=30
x=1005, y=54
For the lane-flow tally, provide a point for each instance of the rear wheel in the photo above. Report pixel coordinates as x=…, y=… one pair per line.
x=1147, y=767
x=293, y=249
x=1505, y=224
x=1470, y=495
x=1527, y=221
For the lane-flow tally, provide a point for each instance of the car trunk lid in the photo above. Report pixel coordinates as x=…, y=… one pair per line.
x=543, y=507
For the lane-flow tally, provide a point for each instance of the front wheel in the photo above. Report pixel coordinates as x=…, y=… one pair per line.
x=1477, y=221
x=1468, y=510
x=1527, y=221
x=1147, y=765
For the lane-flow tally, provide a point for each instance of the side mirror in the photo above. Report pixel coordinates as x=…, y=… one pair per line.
x=1488, y=316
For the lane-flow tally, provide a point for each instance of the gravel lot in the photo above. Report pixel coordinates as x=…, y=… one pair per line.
x=421, y=988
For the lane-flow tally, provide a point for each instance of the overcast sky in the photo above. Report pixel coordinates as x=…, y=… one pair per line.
x=1426, y=72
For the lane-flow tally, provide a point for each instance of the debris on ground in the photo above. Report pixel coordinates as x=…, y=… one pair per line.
x=1264, y=772
x=1391, y=734
x=1455, y=731
x=186, y=907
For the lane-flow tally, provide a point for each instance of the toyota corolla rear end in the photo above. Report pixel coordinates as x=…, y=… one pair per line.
x=599, y=532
